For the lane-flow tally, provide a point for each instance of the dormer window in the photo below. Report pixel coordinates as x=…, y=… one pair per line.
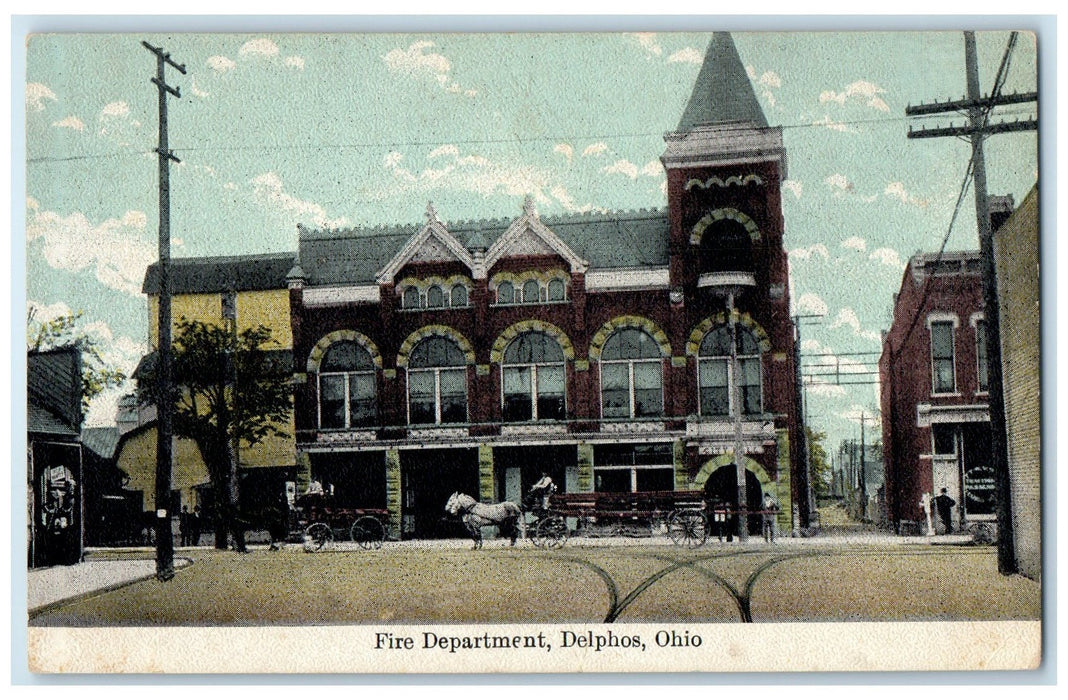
x=531, y=291
x=459, y=295
x=410, y=300
x=505, y=293
x=435, y=299
x=531, y=287
x=435, y=293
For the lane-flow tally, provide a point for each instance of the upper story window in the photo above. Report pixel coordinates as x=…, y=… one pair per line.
x=632, y=375
x=530, y=288
x=532, y=374
x=982, y=370
x=347, y=387
x=437, y=382
x=943, y=372
x=434, y=294
x=716, y=375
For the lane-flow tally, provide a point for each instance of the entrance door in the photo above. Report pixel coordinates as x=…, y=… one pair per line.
x=978, y=476
x=722, y=487
x=429, y=477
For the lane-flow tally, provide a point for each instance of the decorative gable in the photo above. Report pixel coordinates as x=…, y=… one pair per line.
x=529, y=236
x=433, y=243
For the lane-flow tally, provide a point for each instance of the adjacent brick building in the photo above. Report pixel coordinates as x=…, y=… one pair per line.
x=475, y=355
x=1016, y=252
x=933, y=376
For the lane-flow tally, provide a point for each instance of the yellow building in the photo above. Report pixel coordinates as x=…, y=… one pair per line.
x=255, y=286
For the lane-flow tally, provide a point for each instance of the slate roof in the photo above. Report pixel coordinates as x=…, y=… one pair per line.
x=605, y=240
x=101, y=441
x=54, y=384
x=722, y=92
x=41, y=421
x=239, y=273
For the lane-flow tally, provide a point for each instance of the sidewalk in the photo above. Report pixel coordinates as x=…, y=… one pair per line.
x=56, y=583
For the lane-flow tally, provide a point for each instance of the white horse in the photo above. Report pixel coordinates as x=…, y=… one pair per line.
x=475, y=515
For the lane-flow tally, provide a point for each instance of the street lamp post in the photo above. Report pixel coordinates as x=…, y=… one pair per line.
x=739, y=447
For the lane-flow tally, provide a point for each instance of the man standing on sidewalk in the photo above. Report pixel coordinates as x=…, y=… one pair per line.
x=771, y=512
x=944, y=504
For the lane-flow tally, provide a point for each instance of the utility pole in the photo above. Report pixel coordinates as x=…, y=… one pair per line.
x=804, y=486
x=165, y=407
x=863, y=475
x=978, y=108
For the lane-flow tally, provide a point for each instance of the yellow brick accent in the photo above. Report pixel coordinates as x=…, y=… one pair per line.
x=439, y=330
x=628, y=321
x=517, y=329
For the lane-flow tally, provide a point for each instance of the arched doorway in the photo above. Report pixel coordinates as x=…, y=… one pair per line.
x=721, y=487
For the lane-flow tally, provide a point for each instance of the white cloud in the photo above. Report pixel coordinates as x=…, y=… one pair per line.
x=653, y=168
x=855, y=243
x=831, y=124
x=446, y=150
x=254, y=48
x=622, y=167
x=475, y=173
x=687, y=55
x=36, y=94
x=594, y=149
x=860, y=90
x=269, y=191
x=810, y=303
x=647, y=40
x=794, y=186
x=838, y=183
x=817, y=386
x=70, y=122
x=766, y=82
x=115, y=110
x=565, y=149
x=417, y=62
x=197, y=92
x=888, y=257
x=294, y=62
x=896, y=190
x=220, y=64
x=116, y=250
x=848, y=317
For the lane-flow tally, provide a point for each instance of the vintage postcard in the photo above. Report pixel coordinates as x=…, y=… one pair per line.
x=533, y=353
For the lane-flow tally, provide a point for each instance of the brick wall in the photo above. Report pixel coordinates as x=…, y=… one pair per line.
x=1018, y=287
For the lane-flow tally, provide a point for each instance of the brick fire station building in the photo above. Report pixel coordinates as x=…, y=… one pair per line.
x=474, y=355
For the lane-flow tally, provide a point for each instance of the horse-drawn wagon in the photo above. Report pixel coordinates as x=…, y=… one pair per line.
x=319, y=521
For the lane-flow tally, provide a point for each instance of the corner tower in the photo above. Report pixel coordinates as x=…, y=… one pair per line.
x=725, y=167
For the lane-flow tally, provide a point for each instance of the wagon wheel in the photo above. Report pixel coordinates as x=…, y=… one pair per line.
x=534, y=534
x=688, y=528
x=368, y=532
x=319, y=535
x=551, y=532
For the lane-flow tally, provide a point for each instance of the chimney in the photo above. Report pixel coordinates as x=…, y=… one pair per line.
x=999, y=208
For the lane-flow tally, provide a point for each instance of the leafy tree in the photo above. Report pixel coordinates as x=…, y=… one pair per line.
x=819, y=464
x=231, y=389
x=63, y=332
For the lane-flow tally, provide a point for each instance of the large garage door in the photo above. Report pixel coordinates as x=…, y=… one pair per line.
x=429, y=477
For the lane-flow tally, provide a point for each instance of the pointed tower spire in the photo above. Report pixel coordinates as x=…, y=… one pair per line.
x=722, y=92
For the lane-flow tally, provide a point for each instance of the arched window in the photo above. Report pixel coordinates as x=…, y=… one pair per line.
x=716, y=375
x=505, y=293
x=459, y=295
x=347, y=395
x=726, y=247
x=532, y=374
x=437, y=382
x=530, y=292
x=435, y=298
x=556, y=290
x=632, y=375
x=410, y=299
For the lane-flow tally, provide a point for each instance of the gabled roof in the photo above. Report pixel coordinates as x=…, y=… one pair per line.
x=722, y=93
x=239, y=273
x=41, y=421
x=434, y=241
x=54, y=384
x=530, y=226
x=605, y=240
x=101, y=441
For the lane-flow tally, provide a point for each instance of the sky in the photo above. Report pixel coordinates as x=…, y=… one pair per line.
x=340, y=130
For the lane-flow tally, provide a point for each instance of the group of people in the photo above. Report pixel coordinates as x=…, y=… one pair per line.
x=189, y=526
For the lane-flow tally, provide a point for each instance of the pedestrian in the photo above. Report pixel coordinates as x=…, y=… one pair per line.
x=770, y=512
x=944, y=505
x=195, y=523
x=184, y=528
